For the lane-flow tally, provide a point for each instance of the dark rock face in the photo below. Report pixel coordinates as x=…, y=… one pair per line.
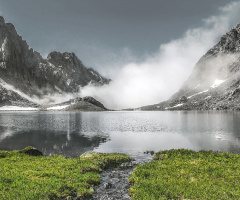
x=94, y=102
x=8, y=97
x=183, y=99
x=27, y=71
x=71, y=73
x=215, y=81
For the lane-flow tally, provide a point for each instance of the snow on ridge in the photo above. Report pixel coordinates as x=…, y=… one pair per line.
x=57, y=88
x=197, y=94
x=217, y=82
x=3, y=47
x=69, y=81
x=96, y=75
x=178, y=105
x=58, y=107
x=197, y=86
x=208, y=97
x=17, y=108
x=12, y=88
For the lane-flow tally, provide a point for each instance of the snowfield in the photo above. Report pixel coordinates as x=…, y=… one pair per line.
x=178, y=105
x=17, y=108
x=217, y=82
x=58, y=107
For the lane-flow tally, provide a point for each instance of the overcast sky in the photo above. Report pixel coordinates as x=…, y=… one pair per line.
x=105, y=32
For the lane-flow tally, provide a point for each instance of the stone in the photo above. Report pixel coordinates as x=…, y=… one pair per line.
x=32, y=151
x=108, y=185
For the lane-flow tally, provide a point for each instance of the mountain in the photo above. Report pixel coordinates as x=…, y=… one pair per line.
x=25, y=71
x=214, y=82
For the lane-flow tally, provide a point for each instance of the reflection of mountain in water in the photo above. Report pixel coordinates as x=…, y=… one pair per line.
x=71, y=134
x=217, y=131
x=54, y=133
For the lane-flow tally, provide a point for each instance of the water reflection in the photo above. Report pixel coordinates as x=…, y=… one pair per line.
x=73, y=133
x=52, y=133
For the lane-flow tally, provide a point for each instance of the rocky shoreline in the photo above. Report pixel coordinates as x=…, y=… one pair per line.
x=114, y=183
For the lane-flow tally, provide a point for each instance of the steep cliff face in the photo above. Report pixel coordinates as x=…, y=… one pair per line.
x=27, y=71
x=215, y=80
x=69, y=74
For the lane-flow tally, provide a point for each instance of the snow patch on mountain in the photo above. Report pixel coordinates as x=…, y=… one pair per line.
x=197, y=94
x=217, y=83
x=178, y=105
x=17, y=108
x=12, y=88
x=58, y=107
x=3, y=47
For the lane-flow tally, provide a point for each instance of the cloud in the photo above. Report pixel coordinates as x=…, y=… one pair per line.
x=160, y=75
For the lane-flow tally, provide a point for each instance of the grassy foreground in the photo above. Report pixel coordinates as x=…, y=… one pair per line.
x=185, y=174
x=52, y=177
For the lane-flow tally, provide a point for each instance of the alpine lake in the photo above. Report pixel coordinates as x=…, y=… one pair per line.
x=73, y=133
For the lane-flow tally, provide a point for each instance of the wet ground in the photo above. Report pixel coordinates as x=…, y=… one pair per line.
x=114, y=183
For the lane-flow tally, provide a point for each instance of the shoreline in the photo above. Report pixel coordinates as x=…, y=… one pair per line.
x=101, y=176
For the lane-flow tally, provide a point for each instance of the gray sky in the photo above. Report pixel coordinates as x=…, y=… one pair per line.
x=102, y=32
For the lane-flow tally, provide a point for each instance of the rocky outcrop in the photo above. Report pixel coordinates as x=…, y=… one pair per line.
x=214, y=82
x=78, y=104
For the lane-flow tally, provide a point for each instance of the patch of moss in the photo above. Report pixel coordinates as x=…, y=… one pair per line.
x=32, y=151
x=52, y=177
x=186, y=174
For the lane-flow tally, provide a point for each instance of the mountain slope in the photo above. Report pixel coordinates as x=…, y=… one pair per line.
x=214, y=82
x=27, y=71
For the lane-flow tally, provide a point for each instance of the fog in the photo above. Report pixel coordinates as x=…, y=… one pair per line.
x=157, y=76
x=161, y=74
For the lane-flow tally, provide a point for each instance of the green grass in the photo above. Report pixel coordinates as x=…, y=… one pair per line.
x=52, y=177
x=185, y=174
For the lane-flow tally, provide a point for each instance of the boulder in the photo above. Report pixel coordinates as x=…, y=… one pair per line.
x=183, y=99
x=32, y=151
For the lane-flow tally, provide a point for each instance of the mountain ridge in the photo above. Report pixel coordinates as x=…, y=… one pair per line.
x=25, y=70
x=214, y=83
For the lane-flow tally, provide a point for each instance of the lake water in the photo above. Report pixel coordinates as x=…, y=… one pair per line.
x=73, y=133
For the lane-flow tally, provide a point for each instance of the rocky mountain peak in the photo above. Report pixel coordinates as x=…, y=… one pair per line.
x=2, y=20
x=57, y=55
x=66, y=57
x=229, y=43
x=25, y=70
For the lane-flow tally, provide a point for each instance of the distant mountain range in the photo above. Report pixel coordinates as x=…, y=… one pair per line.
x=213, y=85
x=215, y=81
x=24, y=73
